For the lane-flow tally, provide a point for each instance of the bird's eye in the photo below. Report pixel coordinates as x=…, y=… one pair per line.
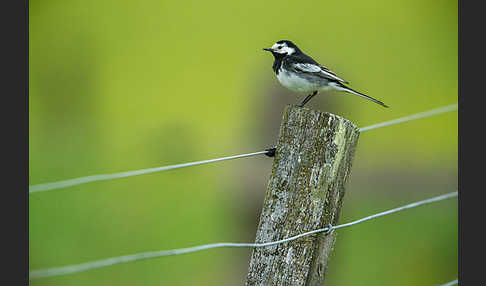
x=279, y=47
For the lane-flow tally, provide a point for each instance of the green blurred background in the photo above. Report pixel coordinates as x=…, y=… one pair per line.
x=125, y=85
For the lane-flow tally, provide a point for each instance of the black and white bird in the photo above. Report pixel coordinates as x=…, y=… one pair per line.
x=300, y=73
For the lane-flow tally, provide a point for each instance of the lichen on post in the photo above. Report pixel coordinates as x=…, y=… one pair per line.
x=312, y=163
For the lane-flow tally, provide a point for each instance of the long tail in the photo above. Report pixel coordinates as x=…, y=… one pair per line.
x=347, y=89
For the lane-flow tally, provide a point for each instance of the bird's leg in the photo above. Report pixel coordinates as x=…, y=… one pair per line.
x=307, y=99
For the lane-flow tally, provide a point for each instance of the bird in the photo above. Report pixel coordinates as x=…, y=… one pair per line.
x=302, y=74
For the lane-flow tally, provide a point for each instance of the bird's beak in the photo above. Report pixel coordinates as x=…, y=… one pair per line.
x=268, y=49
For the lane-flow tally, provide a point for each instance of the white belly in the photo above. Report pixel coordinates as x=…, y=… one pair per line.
x=296, y=83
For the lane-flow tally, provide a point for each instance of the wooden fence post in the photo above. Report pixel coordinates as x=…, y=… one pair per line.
x=312, y=163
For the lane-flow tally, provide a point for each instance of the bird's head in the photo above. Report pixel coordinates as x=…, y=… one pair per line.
x=283, y=48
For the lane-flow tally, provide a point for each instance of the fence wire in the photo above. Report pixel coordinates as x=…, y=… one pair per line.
x=70, y=269
x=103, y=177
x=412, y=117
x=455, y=282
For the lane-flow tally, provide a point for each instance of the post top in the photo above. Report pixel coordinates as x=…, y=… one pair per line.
x=304, y=111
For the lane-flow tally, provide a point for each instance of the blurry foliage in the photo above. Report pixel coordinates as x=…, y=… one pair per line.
x=123, y=85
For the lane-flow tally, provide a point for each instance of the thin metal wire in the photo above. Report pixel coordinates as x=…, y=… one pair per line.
x=104, y=177
x=436, y=111
x=83, y=180
x=450, y=283
x=70, y=269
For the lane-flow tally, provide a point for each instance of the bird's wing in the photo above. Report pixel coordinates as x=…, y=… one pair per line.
x=317, y=70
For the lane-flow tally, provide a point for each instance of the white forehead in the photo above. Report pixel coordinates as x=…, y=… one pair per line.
x=277, y=45
x=282, y=48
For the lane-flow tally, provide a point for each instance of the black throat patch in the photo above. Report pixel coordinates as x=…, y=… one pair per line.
x=277, y=63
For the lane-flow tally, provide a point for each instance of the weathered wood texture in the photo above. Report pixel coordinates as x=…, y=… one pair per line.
x=305, y=191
